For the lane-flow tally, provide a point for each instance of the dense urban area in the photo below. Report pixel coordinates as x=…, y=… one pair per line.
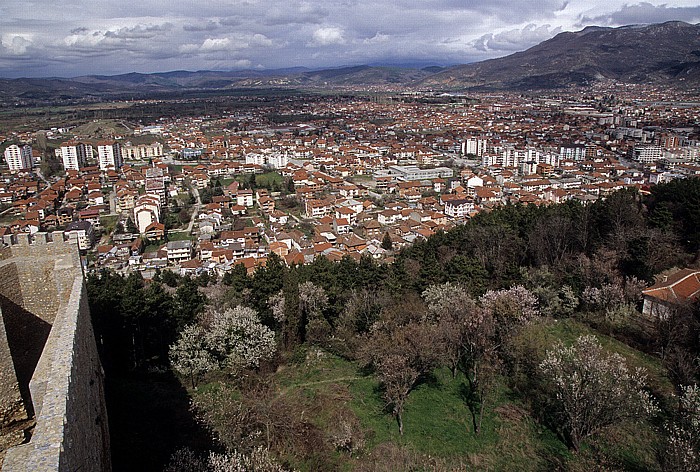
x=305, y=176
x=379, y=280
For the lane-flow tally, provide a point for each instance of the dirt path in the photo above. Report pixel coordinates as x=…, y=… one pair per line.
x=317, y=382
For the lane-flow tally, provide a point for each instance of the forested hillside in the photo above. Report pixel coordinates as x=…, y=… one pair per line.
x=514, y=341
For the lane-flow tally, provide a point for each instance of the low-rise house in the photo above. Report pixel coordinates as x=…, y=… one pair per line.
x=673, y=291
x=459, y=208
x=279, y=217
x=82, y=231
x=155, y=231
x=179, y=251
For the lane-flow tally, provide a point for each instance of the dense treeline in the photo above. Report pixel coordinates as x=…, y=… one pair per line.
x=476, y=300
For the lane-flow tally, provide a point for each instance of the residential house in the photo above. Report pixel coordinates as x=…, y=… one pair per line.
x=675, y=290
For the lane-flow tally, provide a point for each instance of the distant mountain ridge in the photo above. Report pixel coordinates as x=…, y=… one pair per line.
x=666, y=53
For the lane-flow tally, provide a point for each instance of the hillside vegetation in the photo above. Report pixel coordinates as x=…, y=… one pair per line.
x=511, y=342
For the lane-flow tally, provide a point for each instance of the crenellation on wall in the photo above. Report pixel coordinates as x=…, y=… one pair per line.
x=41, y=281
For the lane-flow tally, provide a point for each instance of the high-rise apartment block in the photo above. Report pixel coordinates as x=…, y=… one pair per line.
x=109, y=155
x=73, y=155
x=19, y=157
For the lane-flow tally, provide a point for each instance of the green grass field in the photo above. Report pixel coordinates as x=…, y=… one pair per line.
x=437, y=421
x=109, y=222
x=179, y=236
x=438, y=425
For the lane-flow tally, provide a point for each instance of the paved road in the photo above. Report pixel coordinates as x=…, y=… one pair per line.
x=195, y=213
x=197, y=207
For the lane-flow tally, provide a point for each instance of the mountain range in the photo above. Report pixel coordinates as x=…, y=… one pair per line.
x=666, y=53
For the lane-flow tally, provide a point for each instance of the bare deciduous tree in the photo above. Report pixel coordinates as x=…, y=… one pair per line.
x=401, y=355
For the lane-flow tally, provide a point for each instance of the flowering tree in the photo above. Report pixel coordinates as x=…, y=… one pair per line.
x=509, y=308
x=471, y=335
x=514, y=304
x=259, y=460
x=237, y=339
x=682, y=448
x=591, y=389
x=189, y=355
x=605, y=297
x=233, y=338
x=462, y=325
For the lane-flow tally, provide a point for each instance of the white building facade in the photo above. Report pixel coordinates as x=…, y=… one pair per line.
x=73, y=155
x=109, y=156
x=18, y=158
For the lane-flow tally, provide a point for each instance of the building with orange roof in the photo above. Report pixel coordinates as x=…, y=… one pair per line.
x=673, y=291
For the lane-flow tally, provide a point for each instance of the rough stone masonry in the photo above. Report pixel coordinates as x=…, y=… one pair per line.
x=52, y=405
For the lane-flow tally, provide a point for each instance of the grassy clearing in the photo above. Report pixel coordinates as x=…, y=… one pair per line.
x=268, y=179
x=109, y=222
x=439, y=431
x=437, y=421
x=265, y=180
x=179, y=236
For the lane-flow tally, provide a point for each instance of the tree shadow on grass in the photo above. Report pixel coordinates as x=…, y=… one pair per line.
x=471, y=399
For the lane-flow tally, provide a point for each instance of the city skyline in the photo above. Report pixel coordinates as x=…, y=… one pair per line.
x=73, y=38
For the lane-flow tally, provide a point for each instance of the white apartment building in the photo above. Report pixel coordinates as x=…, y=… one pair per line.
x=647, y=154
x=73, y=155
x=572, y=152
x=459, y=208
x=146, y=211
x=275, y=160
x=142, y=151
x=409, y=173
x=18, y=158
x=109, y=155
x=476, y=146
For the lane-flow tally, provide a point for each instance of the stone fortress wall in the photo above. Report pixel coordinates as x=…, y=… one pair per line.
x=52, y=405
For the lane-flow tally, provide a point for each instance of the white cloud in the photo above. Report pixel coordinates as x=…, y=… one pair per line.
x=235, y=42
x=16, y=44
x=125, y=36
x=327, y=36
x=643, y=13
x=75, y=36
x=515, y=39
x=377, y=38
x=216, y=44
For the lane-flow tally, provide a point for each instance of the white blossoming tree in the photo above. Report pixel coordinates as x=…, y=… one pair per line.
x=591, y=389
x=682, y=448
x=234, y=338
x=189, y=355
x=258, y=460
x=237, y=339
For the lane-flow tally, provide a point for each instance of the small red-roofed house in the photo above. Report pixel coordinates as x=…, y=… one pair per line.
x=675, y=290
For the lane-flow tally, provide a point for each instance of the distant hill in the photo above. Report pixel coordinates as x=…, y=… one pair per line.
x=666, y=53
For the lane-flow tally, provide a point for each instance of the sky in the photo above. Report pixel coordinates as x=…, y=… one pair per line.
x=68, y=38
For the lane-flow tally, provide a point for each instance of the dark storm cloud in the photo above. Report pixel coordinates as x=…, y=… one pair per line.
x=516, y=39
x=644, y=13
x=75, y=37
x=201, y=26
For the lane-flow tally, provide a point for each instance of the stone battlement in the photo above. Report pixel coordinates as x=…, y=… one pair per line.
x=52, y=376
